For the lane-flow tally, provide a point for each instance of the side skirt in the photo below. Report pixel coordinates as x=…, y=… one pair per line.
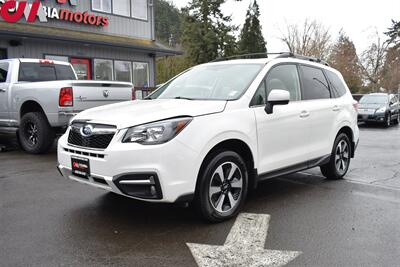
x=294, y=168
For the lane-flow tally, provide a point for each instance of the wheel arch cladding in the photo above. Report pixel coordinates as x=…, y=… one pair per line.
x=349, y=132
x=238, y=146
x=30, y=106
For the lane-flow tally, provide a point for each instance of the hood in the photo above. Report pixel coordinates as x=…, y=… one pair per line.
x=132, y=113
x=371, y=106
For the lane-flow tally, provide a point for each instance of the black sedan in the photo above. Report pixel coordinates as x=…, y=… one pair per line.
x=379, y=107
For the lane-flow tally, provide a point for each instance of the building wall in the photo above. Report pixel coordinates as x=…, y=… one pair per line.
x=118, y=25
x=37, y=49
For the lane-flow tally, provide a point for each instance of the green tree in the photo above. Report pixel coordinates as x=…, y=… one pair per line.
x=344, y=58
x=394, y=32
x=167, y=22
x=207, y=33
x=251, y=39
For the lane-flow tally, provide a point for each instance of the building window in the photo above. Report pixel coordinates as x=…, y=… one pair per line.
x=103, y=69
x=122, y=7
x=57, y=58
x=139, y=9
x=101, y=5
x=123, y=71
x=140, y=74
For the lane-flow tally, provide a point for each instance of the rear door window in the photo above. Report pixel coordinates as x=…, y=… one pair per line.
x=315, y=85
x=3, y=72
x=35, y=72
x=337, y=86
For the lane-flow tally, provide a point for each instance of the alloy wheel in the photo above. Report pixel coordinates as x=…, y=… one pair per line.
x=32, y=133
x=342, y=157
x=226, y=187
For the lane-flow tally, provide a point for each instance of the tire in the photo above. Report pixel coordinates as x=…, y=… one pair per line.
x=388, y=121
x=219, y=199
x=397, y=120
x=339, y=162
x=35, y=134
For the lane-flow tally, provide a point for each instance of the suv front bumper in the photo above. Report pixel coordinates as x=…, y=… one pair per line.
x=159, y=173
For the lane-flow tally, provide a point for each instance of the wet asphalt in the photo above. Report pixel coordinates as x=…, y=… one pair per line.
x=46, y=220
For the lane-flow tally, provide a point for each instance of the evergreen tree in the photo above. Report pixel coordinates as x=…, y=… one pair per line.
x=344, y=58
x=207, y=33
x=251, y=38
x=167, y=22
x=394, y=32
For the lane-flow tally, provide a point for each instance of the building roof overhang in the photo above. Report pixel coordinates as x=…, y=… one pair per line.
x=89, y=38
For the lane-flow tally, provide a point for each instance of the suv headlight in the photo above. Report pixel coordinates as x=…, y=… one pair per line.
x=157, y=132
x=381, y=110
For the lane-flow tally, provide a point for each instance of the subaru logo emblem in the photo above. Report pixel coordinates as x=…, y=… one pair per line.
x=106, y=93
x=87, y=130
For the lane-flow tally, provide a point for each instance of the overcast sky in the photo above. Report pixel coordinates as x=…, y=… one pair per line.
x=358, y=18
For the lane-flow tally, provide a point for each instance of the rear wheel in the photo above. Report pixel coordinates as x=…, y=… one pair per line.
x=339, y=162
x=222, y=187
x=35, y=134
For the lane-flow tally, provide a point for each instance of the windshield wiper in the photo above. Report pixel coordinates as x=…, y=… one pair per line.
x=182, y=97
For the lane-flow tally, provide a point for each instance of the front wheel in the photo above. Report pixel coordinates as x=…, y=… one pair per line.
x=339, y=162
x=222, y=187
x=35, y=134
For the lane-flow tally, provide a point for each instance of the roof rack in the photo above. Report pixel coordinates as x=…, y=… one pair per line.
x=312, y=59
x=247, y=56
x=279, y=55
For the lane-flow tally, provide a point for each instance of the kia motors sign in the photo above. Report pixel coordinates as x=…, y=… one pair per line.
x=13, y=11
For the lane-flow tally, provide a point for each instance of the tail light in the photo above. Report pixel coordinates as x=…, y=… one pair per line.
x=133, y=93
x=66, y=98
x=355, y=105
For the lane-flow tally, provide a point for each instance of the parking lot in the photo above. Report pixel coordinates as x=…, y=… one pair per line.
x=49, y=221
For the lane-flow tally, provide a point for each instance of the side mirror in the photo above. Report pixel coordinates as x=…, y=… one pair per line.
x=276, y=97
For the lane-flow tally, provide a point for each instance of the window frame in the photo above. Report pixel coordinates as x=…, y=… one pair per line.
x=101, y=11
x=302, y=82
x=265, y=86
x=147, y=12
x=133, y=72
x=94, y=68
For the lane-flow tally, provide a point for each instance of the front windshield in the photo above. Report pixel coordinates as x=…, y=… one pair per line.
x=210, y=82
x=374, y=99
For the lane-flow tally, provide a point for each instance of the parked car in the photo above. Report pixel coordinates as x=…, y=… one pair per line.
x=212, y=133
x=379, y=107
x=39, y=97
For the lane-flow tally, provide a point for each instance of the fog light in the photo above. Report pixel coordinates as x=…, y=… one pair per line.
x=153, y=190
x=140, y=185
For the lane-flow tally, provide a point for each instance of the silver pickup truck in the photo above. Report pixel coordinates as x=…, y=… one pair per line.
x=39, y=97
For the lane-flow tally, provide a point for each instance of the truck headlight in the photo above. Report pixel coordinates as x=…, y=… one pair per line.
x=156, y=132
x=381, y=110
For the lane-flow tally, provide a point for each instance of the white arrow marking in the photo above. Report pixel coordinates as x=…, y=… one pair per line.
x=244, y=246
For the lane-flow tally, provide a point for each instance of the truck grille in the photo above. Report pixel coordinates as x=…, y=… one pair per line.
x=98, y=137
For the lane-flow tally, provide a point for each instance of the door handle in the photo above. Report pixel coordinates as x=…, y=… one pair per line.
x=304, y=114
x=2, y=90
x=336, y=108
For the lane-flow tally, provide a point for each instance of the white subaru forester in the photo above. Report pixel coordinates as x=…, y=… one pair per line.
x=212, y=133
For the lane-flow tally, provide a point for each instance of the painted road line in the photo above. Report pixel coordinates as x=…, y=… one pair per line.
x=244, y=246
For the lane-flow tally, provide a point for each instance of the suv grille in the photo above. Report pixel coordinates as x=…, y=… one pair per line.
x=97, y=136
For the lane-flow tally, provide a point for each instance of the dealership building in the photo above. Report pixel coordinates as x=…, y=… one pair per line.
x=102, y=39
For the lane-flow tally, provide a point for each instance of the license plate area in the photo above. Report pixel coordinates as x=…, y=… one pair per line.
x=80, y=167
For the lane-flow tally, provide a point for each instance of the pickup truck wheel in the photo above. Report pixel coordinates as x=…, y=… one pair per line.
x=35, y=134
x=222, y=187
x=339, y=162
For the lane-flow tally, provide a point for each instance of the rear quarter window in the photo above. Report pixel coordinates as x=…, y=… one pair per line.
x=315, y=85
x=337, y=86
